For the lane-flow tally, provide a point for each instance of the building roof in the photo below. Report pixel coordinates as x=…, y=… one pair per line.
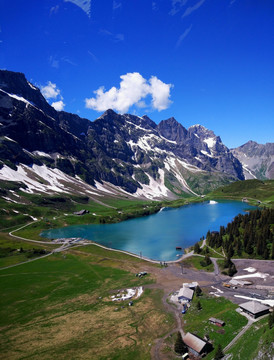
x=186, y=293
x=239, y=282
x=212, y=319
x=254, y=307
x=193, y=284
x=194, y=342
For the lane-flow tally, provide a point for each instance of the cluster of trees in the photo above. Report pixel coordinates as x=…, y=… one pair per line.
x=4, y=252
x=206, y=261
x=251, y=233
x=180, y=347
x=229, y=267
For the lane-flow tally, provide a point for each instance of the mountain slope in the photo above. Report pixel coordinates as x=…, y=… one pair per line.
x=124, y=152
x=257, y=160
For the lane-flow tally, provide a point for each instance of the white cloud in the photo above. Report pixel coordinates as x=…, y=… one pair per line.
x=154, y=6
x=133, y=90
x=190, y=9
x=116, y=5
x=50, y=91
x=160, y=93
x=177, y=6
x=112, y=36
x=85, y=5
x=95, y=59
x=54, y=62
x=54, y=10
x=183, y=36
x=58, y=105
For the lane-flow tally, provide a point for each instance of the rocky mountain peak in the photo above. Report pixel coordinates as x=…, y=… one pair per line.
x=256, y=159
x=15, y=83
x=127, y=151
x=172, y=130
x=201, y=131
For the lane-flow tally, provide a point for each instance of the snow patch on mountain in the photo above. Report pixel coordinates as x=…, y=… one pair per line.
x=206, y=153
x=210, y=142
x=32, y=86
x=19, y=98
x=9, y=139
x=41, y=179
x=41, y=153
x=156, y=188
x=246, y=169
x=138, y=126
x=170, y=141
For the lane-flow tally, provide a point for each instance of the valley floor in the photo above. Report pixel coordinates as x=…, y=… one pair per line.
x=60, y=306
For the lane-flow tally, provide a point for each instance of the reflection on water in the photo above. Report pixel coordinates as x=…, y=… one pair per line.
x=156, y=236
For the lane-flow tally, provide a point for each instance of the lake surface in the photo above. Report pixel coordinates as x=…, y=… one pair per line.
x=156, y=236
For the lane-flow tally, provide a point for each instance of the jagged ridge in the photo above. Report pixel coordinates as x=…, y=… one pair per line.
x=130, y=152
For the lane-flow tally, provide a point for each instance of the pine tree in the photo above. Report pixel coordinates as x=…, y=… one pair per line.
x=199, y=306
x=197, y=248
x=270, y=320
x=249, y=247
x=207, y=260
x=198, y=291
x=266, y=254
x=232, y=270
x=180, y=347
x=230, y=252
x=219, y=353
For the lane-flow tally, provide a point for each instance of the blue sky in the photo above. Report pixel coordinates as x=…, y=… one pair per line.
x=202, y=61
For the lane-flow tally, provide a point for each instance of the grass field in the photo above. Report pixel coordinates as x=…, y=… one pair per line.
x=196, y=321
x=257, y=339
x=253, y=190
x=195, y=262
x=60, y=307
x=14, y=251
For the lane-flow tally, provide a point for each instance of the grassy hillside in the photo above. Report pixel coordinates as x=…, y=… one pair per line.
x=253, y=190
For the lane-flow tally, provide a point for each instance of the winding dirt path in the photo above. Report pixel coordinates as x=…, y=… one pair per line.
x=156, y=349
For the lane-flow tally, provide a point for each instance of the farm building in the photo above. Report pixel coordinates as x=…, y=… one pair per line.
x=217, y=322
x=234, y=282
x=185, y=294
x=254, y=308
x=196, y=345
x=192, y=285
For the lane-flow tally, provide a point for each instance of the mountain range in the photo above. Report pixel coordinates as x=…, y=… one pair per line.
x=49, y=151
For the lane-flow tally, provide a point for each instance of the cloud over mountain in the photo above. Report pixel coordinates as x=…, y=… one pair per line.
x=58, y=105
x=134, y=88
x=50, y=91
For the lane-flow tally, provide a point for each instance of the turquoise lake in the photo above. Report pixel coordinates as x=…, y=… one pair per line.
x=156, y=236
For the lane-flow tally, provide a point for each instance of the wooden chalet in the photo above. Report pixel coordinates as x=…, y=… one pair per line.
x=196, y=345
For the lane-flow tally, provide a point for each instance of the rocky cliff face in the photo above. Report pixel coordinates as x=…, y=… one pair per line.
x=257, y=160
x=132, y=153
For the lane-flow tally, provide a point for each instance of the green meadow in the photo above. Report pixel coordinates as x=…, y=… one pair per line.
x=60, y=307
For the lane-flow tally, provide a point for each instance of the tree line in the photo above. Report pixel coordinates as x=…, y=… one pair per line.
x=251, y=233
